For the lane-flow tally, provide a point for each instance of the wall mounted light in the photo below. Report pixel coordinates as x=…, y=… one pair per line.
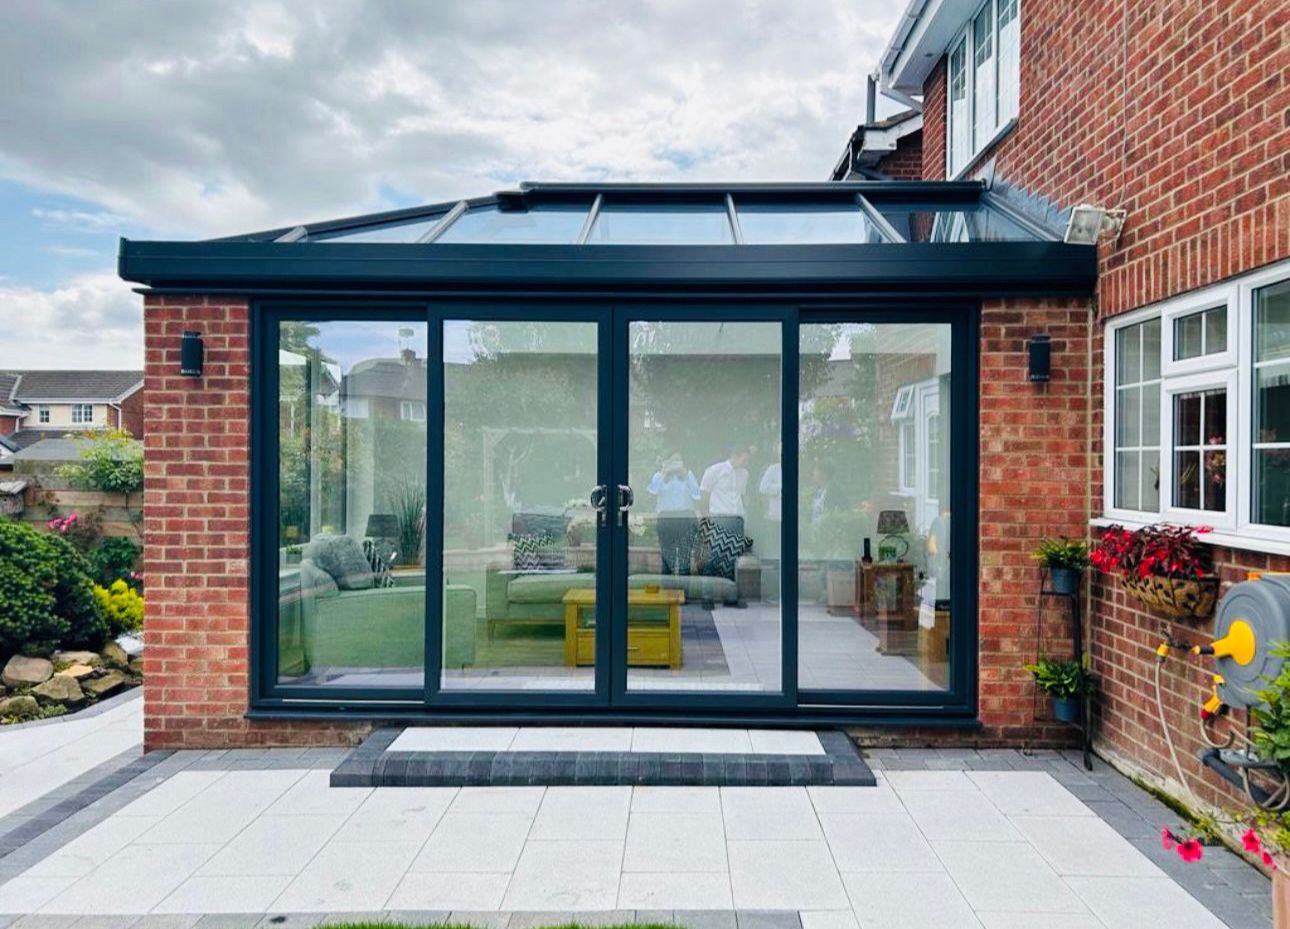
x=191, y=354
x=1088, y=222
x=1040, y=348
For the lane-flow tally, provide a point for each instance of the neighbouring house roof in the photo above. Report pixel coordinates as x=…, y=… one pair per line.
x=70, y=385
x=26, y=438
x=8, y=405
x=7, y=444
x=873, y=141
x=896, y=234
x=56, y=448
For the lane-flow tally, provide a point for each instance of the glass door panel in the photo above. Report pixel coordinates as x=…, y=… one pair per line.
x=874, y=507
x=700, y=515
x=521, y=458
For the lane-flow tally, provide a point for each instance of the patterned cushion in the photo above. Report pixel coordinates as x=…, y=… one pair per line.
x=537, y=551
x=341, y=557
x=722, y=548
x=380, y=564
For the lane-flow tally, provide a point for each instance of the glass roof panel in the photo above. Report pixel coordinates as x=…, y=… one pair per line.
x=662, y=224
x=804, y=223
x=390, y=232
x=926, y=221
x=557, y=224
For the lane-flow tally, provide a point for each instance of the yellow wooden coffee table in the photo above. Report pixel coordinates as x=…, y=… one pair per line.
x=652, y=643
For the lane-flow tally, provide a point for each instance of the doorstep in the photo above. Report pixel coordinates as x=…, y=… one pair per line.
x=493, y=756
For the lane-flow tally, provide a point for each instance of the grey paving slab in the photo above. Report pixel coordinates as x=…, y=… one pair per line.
x=768, y=919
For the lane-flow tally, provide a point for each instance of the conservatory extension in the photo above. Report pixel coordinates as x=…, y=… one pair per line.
x=606, y=451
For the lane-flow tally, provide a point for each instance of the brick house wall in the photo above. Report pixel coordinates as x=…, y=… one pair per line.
x=906, y=162
x=131, y=415
x=1185, y=127
x=197, y=535
x=8, y=425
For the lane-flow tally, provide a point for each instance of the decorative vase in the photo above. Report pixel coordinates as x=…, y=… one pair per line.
x=1065, y=581
x=1066, y=709
x=1280, y=899
x=1176, y=597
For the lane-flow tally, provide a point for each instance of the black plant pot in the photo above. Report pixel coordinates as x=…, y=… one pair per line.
x=1066, y=709
x=1065, y=580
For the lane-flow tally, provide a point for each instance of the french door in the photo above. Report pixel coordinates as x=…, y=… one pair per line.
x=610, y=506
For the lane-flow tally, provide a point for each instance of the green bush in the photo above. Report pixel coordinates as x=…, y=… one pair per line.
x=1061, y=679
x=115, y=557
x=121, y=605
x=46, y=595
x=1062, y=553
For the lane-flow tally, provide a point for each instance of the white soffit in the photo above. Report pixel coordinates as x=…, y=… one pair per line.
x=922, y=37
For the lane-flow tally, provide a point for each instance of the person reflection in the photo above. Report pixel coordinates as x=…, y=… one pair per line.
x=771, y=488
x=675, y=491
x=723, y=486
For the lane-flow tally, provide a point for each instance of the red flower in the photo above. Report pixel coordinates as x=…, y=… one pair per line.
x=1251, y=841
x=1191, y=850
x=1269, y=860
x=1167, y=840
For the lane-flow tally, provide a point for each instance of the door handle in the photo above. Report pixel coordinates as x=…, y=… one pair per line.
x=626, y=497
x=599, y=497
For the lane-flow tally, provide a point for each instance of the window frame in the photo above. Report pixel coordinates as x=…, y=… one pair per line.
x=43, y=414
x=1001, y=124
x=1233, y=370
x=81, y=408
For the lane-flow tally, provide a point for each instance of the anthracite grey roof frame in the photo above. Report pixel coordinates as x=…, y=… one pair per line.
x=878, y=236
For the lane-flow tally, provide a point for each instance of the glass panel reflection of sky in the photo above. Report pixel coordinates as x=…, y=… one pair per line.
x=552, y=225
x=681, y=224
x=804, y=224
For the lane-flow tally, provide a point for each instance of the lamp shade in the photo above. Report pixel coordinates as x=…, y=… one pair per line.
x=891, y=522
x=382, y=526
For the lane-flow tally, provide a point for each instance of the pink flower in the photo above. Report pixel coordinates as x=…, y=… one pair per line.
x=1191, y=850
x=1167, y=840
x=1251, y=841
x=1269, y=860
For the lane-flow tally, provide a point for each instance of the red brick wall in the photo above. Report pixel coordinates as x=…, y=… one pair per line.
x=197, y=535
x=1177, y=115
x=8, y=425
x=1034, y=483
x=906, y=162
x=131, y=415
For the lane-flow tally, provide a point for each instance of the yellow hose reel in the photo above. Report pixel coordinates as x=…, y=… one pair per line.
x=1253, y=616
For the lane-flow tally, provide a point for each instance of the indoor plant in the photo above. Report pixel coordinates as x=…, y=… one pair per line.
x=1065, y=560
x=1065, y=682
x=1163, y=566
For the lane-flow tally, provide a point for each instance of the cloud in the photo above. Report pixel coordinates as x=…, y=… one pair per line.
x=198, y=118
x=79, y=220
x=93, y=321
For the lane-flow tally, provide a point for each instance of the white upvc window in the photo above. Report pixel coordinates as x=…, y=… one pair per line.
x=983, y=82
x=1197, y=410
x=82, y=414
x=413, y=410
x=42, y=413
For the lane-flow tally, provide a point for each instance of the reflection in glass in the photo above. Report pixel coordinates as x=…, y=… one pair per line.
x=792, y=223
x=398, y=232
x=662, y=224
x=1200, y=333
x=950, y=222
x=874, y=426
x=703, y=538
x=1200, y=450
x=553, y=225
x=1271, y=503
x=1137, y=416
x=351, y=508
x=519, y=537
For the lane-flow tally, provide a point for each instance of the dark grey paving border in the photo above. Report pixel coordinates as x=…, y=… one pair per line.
x=97, y=709
x=49, y=816
x=372, y=764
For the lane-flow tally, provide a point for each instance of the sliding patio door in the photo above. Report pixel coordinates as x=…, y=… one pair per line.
x=524, y=529
x=699, y=507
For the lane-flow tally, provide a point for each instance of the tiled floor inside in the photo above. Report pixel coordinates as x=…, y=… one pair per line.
x=251, y=834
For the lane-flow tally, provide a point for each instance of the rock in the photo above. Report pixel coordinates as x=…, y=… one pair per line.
x=99, y=687
x=75, y=671
x=132, y=644
x=59, y=689
x=136, y=666
x=115, y=655
x=20, y=707
x=22, y=671
x=86, y=658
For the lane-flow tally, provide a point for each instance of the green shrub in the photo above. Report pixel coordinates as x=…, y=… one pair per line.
x=121, y=605
x=1061, y=679
x=46, y=595
x=116, y=557
x=1271, y=730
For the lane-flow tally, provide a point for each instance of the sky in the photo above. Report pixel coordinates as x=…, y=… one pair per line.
x=189, y=120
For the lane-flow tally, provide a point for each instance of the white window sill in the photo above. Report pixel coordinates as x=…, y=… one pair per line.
x=979, y=155
x=1219, y=537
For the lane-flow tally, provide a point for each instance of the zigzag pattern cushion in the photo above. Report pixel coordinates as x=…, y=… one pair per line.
x=537, y=551
x=723, y=548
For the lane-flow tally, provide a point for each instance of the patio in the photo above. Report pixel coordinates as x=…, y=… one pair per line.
x=947, y=838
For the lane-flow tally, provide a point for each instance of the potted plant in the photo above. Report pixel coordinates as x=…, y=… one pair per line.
x=1066, y=559
x=1165, y=567
x=1065, y=682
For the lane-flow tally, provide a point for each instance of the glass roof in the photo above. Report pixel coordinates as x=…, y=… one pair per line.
x=837, y=213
